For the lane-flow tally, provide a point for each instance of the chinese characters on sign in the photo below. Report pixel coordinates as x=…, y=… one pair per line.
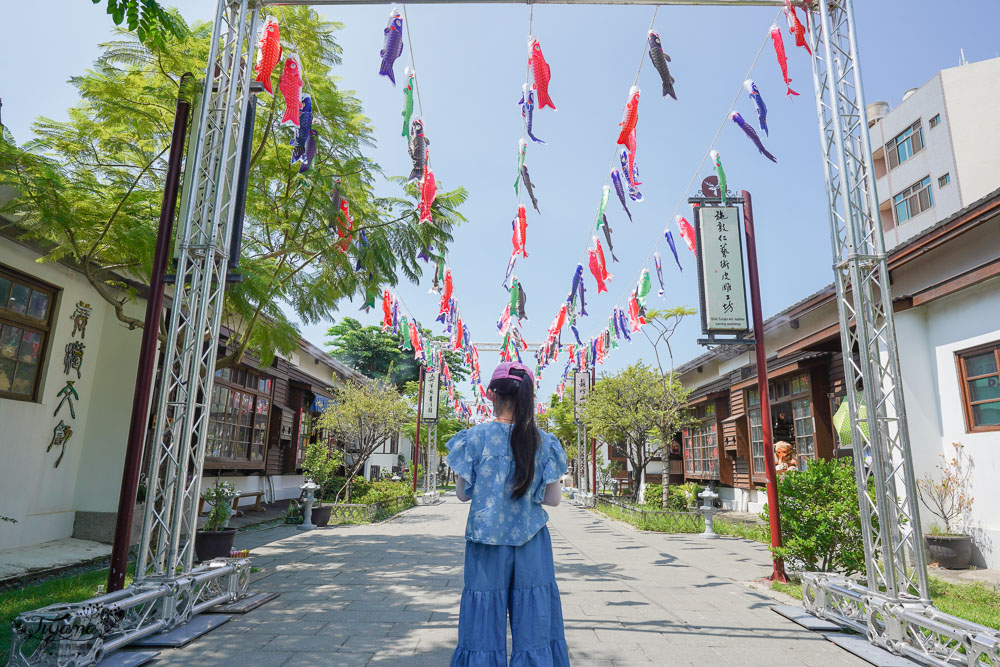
x=430, y=400
x=581, y=390
x=724, y=304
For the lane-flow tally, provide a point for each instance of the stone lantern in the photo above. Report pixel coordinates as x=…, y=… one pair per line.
x=310, y=488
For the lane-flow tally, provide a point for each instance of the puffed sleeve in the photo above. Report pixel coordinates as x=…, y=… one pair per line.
x=462, y=460
x=553, y=466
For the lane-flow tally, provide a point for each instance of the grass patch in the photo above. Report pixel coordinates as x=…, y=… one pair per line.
x=748, y=531
x=60, y=589
x=793, y=588
x=974, y=602
x=657, y=521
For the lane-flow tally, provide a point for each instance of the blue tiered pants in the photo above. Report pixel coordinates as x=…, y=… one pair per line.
x=518, y=582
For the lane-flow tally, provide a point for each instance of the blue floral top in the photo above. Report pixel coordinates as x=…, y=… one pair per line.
x=481, y=455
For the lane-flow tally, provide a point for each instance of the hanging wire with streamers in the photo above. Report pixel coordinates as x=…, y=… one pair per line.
x=694, y=176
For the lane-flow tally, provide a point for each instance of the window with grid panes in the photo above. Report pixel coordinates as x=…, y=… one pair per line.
x=782, y=390
x=238, y=415
x=905, y=145
x=756, y=431
x=305, y=433
x=701, y=452
x=913, y=200
x=979, y=375
x=25, y=320
x=805, y=439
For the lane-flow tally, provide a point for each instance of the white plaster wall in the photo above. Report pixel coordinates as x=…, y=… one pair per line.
x=967, y=319
x=32, y=491
x=98, y=481
x=972, y=96
x=283, y=486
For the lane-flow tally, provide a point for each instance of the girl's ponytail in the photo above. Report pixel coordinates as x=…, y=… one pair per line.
x=519, y=395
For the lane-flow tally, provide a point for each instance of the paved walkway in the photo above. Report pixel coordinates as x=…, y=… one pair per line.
x=389, y=594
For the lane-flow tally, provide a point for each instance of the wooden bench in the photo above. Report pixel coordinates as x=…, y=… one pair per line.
x=258, y=496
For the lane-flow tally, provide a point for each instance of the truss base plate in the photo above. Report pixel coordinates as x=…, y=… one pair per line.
x=128, y=658
x=185, y=634
x=244, y=605
x=805, y=619
x=861, y=647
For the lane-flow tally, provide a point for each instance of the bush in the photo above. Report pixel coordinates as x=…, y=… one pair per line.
x=359, y=487
x=653, y=495
x=384, y=490
x=820, y=518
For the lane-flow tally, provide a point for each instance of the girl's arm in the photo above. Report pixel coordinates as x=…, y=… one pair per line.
x=553, y=494
x=460, y=491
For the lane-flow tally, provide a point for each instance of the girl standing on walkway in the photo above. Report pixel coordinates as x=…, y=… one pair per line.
x=509, y=468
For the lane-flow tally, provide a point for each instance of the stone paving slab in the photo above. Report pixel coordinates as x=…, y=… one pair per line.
x=388, y=594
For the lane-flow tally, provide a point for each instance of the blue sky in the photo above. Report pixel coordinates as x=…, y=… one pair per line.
x=470, y=62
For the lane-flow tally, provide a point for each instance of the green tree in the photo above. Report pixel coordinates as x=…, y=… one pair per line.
x=671, y=415
x=319, y=464
x=628, y=409
x=559, y=421
x=448, y=425
x=363, y=415
x=376, y=353
x=607, y=471
x=90, y=188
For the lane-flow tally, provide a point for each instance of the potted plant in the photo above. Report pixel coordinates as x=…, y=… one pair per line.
x=690, y=490
x=320, y=462
x=947, y=496
x=213, y=540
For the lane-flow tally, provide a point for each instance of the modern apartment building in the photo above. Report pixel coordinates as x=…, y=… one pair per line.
x=938, y=151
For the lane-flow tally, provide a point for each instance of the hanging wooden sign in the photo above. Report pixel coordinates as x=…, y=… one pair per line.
x=430, y=403
x=721, y=282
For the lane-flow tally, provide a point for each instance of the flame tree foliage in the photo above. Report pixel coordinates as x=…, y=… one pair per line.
x=89, y=189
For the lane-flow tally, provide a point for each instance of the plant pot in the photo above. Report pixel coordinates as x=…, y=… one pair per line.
x=951, y=552
x=209, y=544
x=321, y=515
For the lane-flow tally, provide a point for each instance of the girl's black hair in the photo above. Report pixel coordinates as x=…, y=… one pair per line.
x=519, y=395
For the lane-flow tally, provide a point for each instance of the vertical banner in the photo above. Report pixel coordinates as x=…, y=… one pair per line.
x=581, y=390
x=430, y=401
x=720, y=270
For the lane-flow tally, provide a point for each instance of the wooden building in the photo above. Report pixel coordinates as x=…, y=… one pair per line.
x=946, y=299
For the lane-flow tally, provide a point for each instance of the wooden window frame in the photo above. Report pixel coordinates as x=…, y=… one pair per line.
x=963, y=382
x=44, y=328
x=244, y=386
x=805, y=393
x=701, y=444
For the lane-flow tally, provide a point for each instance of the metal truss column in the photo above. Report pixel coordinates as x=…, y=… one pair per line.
x=178, y=446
